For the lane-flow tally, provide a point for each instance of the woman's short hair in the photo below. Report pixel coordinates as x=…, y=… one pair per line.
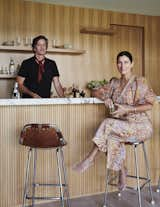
x=36, y=39
x=126, y=53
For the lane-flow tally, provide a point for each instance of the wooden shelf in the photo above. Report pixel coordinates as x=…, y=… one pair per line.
x=98, y=31
x=50, y=50
x=7, y=76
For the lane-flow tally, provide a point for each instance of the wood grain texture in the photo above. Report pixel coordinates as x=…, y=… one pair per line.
x=128, y=38
x=72, y=120
x=78, y=124
x=151, y=42
x=64, y=23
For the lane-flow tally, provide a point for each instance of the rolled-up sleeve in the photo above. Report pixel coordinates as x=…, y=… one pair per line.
x=144, y=92
x=23, y=71
x=105, y=91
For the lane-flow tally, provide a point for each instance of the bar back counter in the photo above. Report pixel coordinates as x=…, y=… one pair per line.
x=78, y=118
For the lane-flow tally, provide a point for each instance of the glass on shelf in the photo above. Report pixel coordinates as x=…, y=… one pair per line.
x=31, y=40
x=4, y=70
x=54, y=43
x=1, y=70
x=18, y=41
x=27, y=41
x=68, y=46
x=57, y=44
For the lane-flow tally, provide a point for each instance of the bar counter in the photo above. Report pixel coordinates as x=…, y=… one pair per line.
x=78, y=118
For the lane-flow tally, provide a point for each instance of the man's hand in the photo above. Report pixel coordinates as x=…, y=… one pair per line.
x=35, y=95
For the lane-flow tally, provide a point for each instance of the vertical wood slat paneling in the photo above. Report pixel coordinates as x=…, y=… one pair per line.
x=124, y=36
x=63, y=23
x=78, y=124
x=13, y=166
x=30, y=19
x=151, y=42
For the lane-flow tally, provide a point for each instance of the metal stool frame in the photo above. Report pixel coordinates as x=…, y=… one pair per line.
x=137, y=176
x=158, y=187
x=62, y=175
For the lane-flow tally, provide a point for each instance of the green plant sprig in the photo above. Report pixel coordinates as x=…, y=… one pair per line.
x=96, y=84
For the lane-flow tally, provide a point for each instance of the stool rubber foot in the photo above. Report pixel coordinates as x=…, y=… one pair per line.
x=158, y=190
x=152, y=202
x=119, y=194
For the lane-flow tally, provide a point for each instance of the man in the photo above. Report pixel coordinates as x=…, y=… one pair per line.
x=37, y=73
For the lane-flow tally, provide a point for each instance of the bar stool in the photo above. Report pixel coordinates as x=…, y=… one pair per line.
x=147, y=179
x=37, y=136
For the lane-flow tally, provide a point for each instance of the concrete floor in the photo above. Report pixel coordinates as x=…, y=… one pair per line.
x=128, y=199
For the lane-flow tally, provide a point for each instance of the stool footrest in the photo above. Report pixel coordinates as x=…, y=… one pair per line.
x=43, y=198
x=135, y=188
x=141, y=178
x=130, y=176
x=48, y=184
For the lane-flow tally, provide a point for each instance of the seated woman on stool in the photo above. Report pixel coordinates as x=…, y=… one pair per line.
x=131, y=98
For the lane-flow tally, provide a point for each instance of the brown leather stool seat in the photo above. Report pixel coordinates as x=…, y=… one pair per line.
x=37, y=136
x=41, y=136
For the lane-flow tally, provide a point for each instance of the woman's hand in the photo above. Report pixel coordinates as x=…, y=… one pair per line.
x=109, y=103
x=120, y=111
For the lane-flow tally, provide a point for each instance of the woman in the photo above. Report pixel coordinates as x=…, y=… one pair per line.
x=131, y=98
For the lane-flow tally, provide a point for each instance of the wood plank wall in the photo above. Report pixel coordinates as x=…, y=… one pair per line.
x=151, y=42
x=23, y=18
x=78, y=124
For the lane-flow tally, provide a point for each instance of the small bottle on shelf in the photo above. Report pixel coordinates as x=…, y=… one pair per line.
x=12, y=67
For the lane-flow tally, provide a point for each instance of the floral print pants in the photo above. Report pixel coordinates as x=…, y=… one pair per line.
x=113, y=133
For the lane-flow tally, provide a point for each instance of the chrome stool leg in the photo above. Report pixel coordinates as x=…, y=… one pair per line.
x=34, y=175
x=65, y=179
x=106, y=187
x=60, y=176
x=137, y=175
x=148, y=174
x=158, y=187
x=26, y=177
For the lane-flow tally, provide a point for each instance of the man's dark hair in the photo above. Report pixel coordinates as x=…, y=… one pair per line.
x=125, y=53
x=36, y=39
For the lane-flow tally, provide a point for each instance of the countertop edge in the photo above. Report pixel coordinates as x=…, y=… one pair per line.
x=52, y=101
x=49, y=101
